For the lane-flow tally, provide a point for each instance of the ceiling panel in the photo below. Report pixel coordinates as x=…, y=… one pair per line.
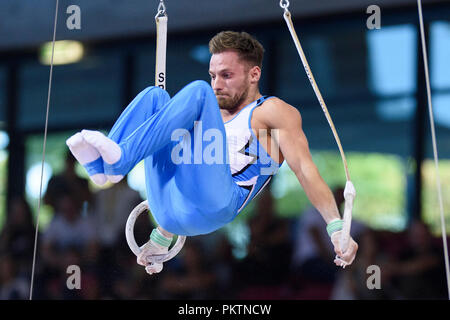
x=28, y=23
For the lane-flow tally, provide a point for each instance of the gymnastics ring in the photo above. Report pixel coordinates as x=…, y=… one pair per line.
x=129, y=234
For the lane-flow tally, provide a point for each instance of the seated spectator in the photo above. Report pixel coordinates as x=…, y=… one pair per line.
x=418, y=272
x=351, y=282
x=112, y=207
x=314, y=253
x=189, y=276
x=12, y=285
x=17, y=236
x=68, y=182
x=264, y=272
x=313, y=269
x=68, y=229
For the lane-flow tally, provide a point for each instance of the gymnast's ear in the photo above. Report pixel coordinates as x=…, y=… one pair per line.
x=255, y=74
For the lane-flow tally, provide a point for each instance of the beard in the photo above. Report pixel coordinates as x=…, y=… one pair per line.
x=231, y=102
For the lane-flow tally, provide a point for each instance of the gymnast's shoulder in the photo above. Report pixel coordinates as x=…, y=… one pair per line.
x=274, y=110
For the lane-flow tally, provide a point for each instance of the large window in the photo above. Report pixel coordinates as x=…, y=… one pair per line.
x=430, y=206
x=368, y=81
x=440, y=81
x=54, y=163
x=380, y=203
x=4, y=141
x=379, y=180
x=88, y=92
x=3, y=98
x=440, y=51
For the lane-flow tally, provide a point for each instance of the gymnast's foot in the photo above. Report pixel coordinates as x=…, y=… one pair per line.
x=157, y=245
x=85, y=153
x=108, y=149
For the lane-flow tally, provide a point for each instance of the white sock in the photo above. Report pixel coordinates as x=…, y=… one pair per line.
x=85, y=153
x=108, y=149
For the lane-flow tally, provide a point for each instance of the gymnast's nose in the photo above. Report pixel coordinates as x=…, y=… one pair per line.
x=217, y=85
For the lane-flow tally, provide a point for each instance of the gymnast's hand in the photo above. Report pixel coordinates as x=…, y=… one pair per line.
x=148, y=250
x=346, y=258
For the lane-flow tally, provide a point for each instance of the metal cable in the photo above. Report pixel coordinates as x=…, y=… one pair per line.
x=43, y=151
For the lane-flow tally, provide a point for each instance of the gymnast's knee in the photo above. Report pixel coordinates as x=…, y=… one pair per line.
x=201, y=93
x=151, y=99
x=156, y=92
x=201, y=87
x=200, y=84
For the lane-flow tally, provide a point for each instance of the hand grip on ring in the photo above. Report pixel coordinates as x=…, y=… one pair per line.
x=129, y=234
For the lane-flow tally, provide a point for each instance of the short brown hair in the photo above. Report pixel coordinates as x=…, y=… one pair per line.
x=248, y=48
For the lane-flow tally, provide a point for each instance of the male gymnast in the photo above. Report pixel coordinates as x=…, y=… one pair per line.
x=188, y=195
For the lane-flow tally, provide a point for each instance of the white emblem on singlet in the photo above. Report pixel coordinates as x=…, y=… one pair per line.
x=239, y=138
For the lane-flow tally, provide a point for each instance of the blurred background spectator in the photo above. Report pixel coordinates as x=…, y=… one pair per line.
x=17, y=236
x=263, y=273
x=13, y=285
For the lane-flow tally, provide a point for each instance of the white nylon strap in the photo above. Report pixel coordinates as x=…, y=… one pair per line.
x=161, y=47
x=349, y=192
x=349, y=196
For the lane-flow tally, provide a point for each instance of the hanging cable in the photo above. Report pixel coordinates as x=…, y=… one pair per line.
x=433, y=137
x=43, y=150
x=349, y=191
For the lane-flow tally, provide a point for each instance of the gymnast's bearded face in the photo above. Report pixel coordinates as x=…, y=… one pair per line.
x=230, y=79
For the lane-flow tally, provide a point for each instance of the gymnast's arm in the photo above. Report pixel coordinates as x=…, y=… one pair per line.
x=294, y=148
